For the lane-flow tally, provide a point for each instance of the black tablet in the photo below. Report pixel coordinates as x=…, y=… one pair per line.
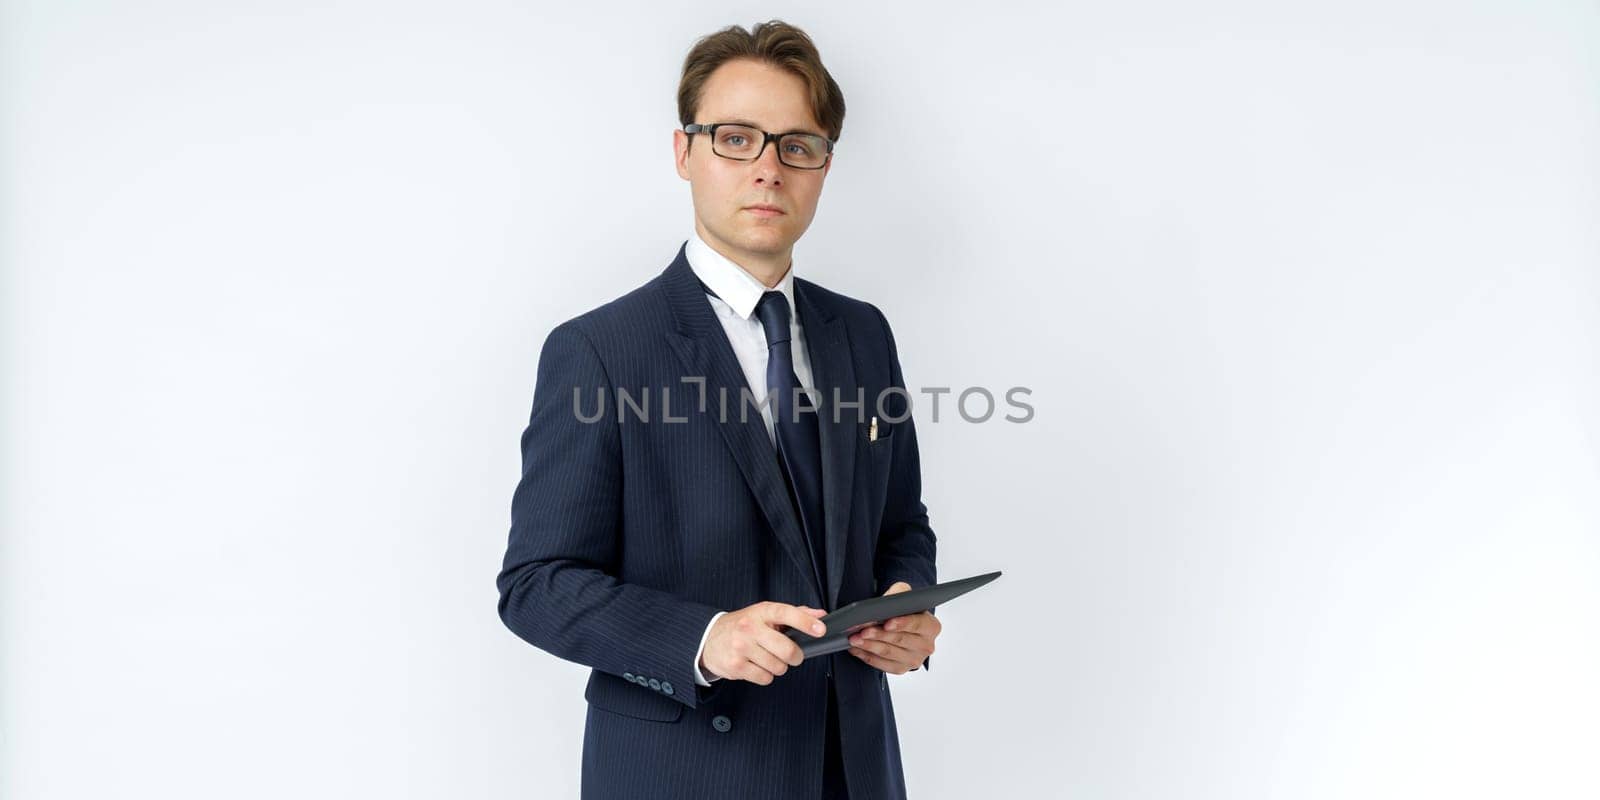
x=873, y=610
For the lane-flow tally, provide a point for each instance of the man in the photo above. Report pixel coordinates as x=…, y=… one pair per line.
x=716, y=503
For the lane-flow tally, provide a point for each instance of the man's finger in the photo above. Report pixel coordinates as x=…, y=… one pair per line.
x=766, y=665
x=909, y=622
x=882, y=663
x=755, y=673
x=902, y=638
x=744, y=669
x=797, y=617
x=909, y=650
x=780, y=646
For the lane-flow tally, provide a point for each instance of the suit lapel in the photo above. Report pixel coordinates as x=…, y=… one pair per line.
x=702, y=346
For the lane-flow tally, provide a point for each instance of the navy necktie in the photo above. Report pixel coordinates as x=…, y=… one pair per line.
x=795, y=426
x=798, y=441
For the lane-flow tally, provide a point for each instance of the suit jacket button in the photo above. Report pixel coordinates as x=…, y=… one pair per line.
x=666, y=687
x=655, y=684
x=627, y=676
x=721, y=723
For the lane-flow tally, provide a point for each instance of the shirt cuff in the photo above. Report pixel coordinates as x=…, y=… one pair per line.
x=698, y=676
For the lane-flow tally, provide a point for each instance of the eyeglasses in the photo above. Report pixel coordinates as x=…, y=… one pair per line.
x=744, y=143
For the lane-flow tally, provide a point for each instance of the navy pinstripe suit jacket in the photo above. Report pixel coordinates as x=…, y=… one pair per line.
x=627, y=536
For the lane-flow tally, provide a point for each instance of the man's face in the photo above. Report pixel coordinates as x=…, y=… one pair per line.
x=725, y=190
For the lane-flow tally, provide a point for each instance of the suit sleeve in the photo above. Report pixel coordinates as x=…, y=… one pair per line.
x=906, y=543
x=558, y=585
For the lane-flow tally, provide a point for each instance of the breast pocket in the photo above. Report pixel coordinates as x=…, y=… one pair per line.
x=880, y=457
x=884, y=442
x=885, y=439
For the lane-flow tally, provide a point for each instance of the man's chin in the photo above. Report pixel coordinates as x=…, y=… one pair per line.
x=760, y=239
x=768, y=241
x=767, y=237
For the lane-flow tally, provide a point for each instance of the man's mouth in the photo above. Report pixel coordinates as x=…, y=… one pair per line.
x=764, y=210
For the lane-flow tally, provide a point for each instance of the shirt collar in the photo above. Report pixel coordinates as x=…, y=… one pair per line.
x=739, y=289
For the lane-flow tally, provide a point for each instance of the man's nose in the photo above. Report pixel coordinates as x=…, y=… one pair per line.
x=768, y=168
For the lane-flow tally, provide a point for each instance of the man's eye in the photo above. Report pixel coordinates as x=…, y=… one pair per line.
x=735, y=139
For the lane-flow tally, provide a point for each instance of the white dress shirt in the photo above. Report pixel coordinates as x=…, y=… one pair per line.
x=735, y=305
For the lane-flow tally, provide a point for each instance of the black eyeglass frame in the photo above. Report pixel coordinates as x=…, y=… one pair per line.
x=695, y=127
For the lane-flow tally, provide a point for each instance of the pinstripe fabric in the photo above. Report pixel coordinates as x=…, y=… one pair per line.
x=627, y=536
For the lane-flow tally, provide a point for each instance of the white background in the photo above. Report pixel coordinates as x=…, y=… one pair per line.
x=1308, y=298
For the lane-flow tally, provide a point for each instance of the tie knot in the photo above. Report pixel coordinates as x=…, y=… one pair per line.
x=773, y=309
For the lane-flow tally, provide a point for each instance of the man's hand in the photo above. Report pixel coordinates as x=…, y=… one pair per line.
x=901, y=643
x=749, y=644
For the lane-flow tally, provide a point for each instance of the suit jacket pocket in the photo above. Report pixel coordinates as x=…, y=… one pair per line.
x=885, y=434
x=609, y=692
x=880, y=448
x=880, y=456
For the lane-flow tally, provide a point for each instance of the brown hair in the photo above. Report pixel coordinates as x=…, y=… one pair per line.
x=774, y=42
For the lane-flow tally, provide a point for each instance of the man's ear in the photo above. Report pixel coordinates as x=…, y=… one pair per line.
x=680, y=153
